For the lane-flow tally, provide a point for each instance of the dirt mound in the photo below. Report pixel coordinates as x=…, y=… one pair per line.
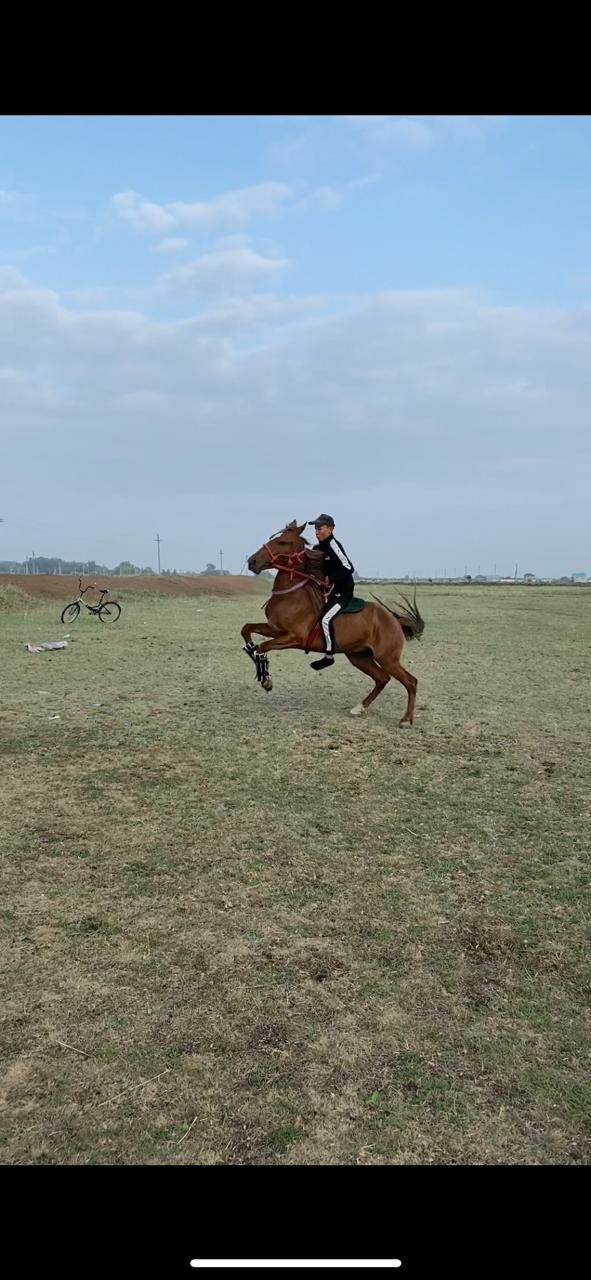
x=55, y=587
x=12, y=598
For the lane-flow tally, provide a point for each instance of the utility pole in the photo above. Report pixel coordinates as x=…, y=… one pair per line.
x=34, y=565
x=516, y=568
x=221, y=561
x=157, y=541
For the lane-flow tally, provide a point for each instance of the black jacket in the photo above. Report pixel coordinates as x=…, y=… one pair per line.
x=337, y=565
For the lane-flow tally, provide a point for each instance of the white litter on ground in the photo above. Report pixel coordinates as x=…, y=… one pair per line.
x=49, y=644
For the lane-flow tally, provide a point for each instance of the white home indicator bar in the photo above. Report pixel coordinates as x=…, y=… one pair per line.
x=295, y=1262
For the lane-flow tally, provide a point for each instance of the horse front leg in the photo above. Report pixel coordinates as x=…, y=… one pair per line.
x=254, y=651
x=251, y=629
x=258, y=653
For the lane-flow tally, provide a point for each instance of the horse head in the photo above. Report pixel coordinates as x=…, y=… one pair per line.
x=280, y=549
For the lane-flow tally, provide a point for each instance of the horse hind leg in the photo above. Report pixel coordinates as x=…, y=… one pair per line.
x=410, y=682
x=390, y=661
x=365, y=662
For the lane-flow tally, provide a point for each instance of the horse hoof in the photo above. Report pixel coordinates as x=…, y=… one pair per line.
x=359, y=710
x=267, y=684
x=405, y=724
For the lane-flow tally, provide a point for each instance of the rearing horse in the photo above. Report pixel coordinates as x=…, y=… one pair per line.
x=372, y=638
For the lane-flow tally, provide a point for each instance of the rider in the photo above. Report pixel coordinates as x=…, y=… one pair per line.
x=339, y=570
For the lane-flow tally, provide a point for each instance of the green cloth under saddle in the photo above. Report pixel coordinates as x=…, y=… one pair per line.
x=354, y=606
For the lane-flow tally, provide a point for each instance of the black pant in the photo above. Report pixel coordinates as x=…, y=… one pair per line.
x=336, y=601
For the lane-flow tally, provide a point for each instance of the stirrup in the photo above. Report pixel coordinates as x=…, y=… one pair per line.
x=322, y=663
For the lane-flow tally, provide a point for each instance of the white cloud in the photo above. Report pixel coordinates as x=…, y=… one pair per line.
x=233, y=208
x=420, y=132
x=172, y=244
x=222, y=271
x=287, y=154
x=144, y=215
x=328, y=197
x=236, y=241
x=470, y=128
x=10, y=278
x=358, y=184
x=331, y=197
x=393, y=130
x=456, y=423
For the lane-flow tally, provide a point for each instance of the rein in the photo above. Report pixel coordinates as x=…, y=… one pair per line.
x=292, y=560
x=286, y=591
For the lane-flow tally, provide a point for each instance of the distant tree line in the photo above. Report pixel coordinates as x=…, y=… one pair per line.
x=210, y=571
x=90, y=568
x=86, y=568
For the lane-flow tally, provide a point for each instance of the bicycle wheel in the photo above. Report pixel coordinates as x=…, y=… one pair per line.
x=110, y=611
x=70, y=612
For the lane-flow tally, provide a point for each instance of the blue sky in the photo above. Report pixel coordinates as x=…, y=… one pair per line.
x=212, y=324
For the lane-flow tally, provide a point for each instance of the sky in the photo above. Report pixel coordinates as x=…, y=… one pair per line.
x=212, y=325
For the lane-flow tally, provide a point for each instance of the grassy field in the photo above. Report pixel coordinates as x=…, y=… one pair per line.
x=242, y=927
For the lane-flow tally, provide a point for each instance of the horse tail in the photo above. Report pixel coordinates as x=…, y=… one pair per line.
x=409, y=617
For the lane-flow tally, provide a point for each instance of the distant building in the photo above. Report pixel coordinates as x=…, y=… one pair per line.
x=579, y=577
x=529, y=577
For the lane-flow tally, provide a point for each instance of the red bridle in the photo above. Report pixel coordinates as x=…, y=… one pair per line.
x=293, y=560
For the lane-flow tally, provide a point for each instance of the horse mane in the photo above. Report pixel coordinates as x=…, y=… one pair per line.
x=288, y=528
x=314, y=563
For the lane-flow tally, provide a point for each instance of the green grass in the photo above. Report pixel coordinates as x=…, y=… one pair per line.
x=243, y=927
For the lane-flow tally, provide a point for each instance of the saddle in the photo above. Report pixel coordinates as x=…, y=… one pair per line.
x=355, y=605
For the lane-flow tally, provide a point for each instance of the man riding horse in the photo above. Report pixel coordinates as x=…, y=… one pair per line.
x=339, y=572
x=301, y=606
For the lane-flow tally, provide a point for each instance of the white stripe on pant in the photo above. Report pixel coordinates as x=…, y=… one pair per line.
x=326, y=625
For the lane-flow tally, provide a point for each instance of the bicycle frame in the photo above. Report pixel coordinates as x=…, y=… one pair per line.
x=104, y=608
x=92, y=608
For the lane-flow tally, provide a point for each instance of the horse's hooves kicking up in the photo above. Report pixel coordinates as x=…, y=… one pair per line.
x=358, y=710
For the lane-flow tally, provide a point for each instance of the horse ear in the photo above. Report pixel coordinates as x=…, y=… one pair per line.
x=300, y=527
x=292, y=524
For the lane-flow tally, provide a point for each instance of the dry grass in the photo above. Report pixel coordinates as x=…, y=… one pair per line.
x=45, y=587
x=240, y=927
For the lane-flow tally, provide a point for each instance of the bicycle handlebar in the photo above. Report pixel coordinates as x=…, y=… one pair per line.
x=92, y=586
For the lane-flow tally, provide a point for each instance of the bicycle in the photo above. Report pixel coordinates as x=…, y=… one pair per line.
x=105, y=610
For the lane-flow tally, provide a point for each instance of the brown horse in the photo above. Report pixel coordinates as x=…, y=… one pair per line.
x=372, y=638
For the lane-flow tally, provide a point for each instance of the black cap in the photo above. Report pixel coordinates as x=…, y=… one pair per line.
x=323, y=519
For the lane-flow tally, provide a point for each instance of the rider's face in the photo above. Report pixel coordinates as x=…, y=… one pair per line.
x=323, y=531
